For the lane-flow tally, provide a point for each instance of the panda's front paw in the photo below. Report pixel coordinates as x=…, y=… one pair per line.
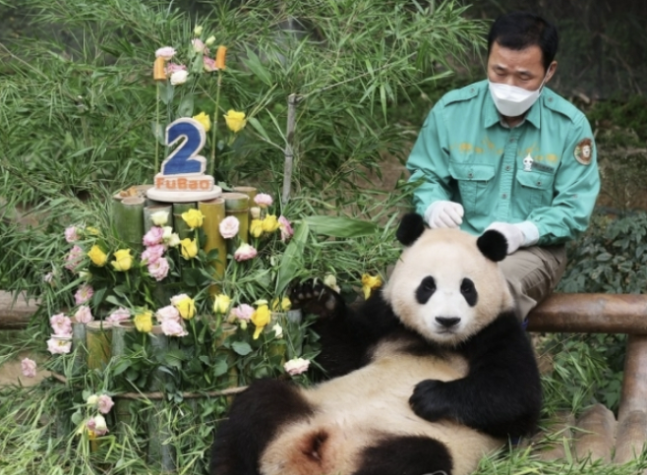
x=315, y=298
x=428, y=400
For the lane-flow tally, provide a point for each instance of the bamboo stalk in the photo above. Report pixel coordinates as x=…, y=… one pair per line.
x=150, y=209
x=181, y=228
x=98, y=337
x=79, y=346
x=214, y=213
x=293, y=100
x=229, y=329
x=118, y=347
x=237, y=204
x=128, y=218
x=247, y=190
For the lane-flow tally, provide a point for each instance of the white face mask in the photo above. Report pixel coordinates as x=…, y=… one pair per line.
x=513, y=101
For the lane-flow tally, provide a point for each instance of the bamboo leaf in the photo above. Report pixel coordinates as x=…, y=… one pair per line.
x=340, y=226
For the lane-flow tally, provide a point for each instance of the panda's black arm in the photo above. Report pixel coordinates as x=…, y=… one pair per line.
x=349, y=332
x=501, y=395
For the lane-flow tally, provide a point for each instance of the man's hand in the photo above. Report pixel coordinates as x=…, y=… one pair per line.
x=444, y=214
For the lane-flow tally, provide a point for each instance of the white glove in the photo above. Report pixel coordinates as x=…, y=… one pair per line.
x=518, y=235
x=444, y=214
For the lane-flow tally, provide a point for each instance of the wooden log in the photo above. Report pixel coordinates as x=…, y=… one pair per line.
x=591, y=313
x=15, y=311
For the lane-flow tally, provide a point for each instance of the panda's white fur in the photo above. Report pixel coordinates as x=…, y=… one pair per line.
x=324, y=430
x=449, y=255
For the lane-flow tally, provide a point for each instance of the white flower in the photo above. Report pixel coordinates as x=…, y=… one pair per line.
x=296, y=366
x=159, y=218
x=179, y=77
x=170, y=238
x=211, y=40
x=278, y=330
x=229, y=227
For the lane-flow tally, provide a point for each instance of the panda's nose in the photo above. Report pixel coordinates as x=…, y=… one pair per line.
x=448, y=322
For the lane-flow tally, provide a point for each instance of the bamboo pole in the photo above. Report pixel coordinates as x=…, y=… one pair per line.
x=229, y=329
x=181, y=228
x=98, y=337
x=246, y=190
x=79, y=346
x=237, y=204
x=128, y=217
x=214, y=213
x=293, y=100
x=118, y=349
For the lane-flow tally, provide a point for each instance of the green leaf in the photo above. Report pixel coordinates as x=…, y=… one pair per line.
x=255, y=66
x=220, y=368
x=291, y=260
x=339, y=226
x=185, y=108
x=241, y=347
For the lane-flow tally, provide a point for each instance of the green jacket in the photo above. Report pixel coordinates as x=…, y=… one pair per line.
x=464, y=154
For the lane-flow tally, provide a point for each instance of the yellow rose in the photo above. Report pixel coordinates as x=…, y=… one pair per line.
x=123, y=260
x=197, y=31
x=235, y=120
x=144, y=321
x=270, y=223
x=204, y=120
x=284, y=305
x=97, y=256
x=193, y=218
x=370, y=283
x=189, y=248
x=186, y=307
x=221, y=303
x=260, y=318
x=256, y=228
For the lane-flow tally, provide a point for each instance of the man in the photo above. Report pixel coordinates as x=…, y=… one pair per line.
x=509, y=154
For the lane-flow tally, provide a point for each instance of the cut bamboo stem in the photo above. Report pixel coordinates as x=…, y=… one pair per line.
x=293, y=100
x=98, y=341
x=79, y=346
x=128, y=217
x=237, y=205
x=214, y=213
x=118, y=348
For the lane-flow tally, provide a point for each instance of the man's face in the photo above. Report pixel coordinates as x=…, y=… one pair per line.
x=522, y=68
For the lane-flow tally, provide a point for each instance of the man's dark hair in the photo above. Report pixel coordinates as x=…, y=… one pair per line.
x=519, y=30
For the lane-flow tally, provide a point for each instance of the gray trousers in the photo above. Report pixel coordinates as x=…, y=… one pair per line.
x=532, y=274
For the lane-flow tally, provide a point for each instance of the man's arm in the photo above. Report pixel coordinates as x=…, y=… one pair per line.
x=429, y=163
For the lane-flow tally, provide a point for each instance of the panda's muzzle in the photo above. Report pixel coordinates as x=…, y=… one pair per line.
x=448, y=322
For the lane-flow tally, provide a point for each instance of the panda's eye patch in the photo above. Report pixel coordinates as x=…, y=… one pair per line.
x=425, y=290
x=469, y=292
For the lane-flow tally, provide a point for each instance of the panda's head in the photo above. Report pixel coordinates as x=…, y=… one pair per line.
x=447, y=285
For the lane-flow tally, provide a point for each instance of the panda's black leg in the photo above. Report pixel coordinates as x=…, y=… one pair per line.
x=254, y=418
x=406, y=455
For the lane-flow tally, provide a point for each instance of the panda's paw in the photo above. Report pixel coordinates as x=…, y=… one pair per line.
x=428, y=400
x=315, y=298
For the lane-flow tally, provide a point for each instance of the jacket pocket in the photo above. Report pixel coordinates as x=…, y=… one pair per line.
x=534, y=189
x=472, y=180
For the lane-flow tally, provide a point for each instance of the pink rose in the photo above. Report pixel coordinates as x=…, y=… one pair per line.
x=159, y=269
x=296, y=366
x=105, y=403
x=83, y=314
x=71, y=234
x=172, y=67
x=153, y=253
x=73, y=259
x=28, y=368
x=242, y=312
x=166, y=52
x=120, y=315
x=153, y=236
x=83, y=294
x=198, y=45
x=173, y=328
x=168, y=313
x=209, y=64
x=286, y=228
x=61, y=325
x=59, y=344
x=229, y=227
x=245, y=252
x=263, y=200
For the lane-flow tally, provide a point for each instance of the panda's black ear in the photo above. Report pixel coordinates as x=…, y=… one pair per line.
x=411, y=228
x=493, y=245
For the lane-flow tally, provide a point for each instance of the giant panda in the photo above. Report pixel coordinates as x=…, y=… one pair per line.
x=427, y=376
